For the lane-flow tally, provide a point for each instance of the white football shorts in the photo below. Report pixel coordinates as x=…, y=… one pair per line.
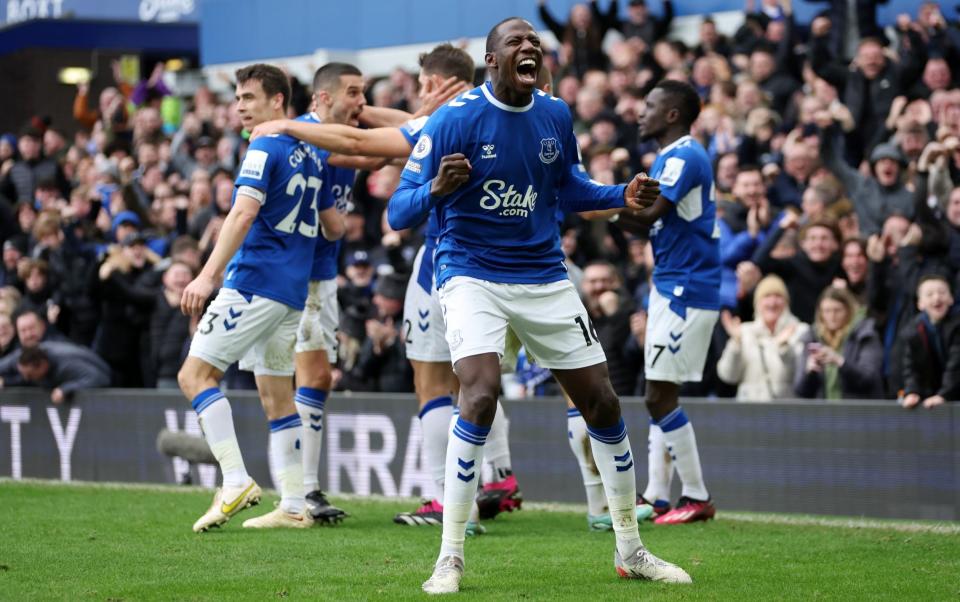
x=549, y=319
x=676, y=346
x=320, y=320
x=424, y=328
x=259, y=332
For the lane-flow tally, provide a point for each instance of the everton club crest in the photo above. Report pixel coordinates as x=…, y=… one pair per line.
x=549, y=150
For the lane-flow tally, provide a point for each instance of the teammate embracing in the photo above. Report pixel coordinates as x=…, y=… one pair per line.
x=443, y=70
x=265, y=247
x=685, y=297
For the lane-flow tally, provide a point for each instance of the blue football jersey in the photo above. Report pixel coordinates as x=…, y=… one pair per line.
x=338, y=183
x=275, y=257
x=411, y=130
x=500, y=225
x=686, y=241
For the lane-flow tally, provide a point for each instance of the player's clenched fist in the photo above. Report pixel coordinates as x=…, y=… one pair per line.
x=195, y=295
x=641, y=192
x=454, y=171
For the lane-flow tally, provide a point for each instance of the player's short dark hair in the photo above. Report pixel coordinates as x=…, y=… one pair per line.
x=683, y=97
x=446, y=60
x=494, y=35
x=273, y=80
x=749, y=167
x=32, y=356
x=327, y=78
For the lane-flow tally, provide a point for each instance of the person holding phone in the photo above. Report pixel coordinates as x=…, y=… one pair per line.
x=843, y=357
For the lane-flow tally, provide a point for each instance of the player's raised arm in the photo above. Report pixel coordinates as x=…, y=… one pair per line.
x=234, y=230
x=382, y=117
x=343, y=139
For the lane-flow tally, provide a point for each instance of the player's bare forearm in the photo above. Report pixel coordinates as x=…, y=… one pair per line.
x=234, y=230
x=387, y=142
x=382, y=117
x=599, y=214
x=640, y=220
x=331, y=224
x=333, y=137
x=357, y=162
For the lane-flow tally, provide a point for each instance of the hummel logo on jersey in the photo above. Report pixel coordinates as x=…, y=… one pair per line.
x=488, y=152
x=510, y=202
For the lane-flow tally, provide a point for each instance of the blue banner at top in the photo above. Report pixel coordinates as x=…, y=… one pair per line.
x=157, y=11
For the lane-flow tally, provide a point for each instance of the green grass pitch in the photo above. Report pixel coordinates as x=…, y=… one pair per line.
x=88, y=542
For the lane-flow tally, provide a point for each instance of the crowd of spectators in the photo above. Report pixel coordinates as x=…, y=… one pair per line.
x=837, y=166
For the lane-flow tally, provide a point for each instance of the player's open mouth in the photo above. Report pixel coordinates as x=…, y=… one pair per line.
x=527, y=71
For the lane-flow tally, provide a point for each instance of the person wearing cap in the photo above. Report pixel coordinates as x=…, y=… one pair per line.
x=877, y=196
x=8, y=147
x=760, y=356
x=383, y=360
x=125, y=306
x=20, y=183
x=202, y=156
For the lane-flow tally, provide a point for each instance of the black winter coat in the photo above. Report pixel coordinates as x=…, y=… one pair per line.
x=931, y=358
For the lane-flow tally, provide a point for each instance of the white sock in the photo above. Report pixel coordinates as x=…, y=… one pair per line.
x=435, y=424
x=611, y=451
x=464, y=458
x=581, y=447
x=497, y=449
x=287, y=461
x=310, y=404
x=216, y=421
x=659, y=467
x=682, y=443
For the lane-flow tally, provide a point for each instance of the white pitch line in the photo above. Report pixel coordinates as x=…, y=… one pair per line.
x=799, y=520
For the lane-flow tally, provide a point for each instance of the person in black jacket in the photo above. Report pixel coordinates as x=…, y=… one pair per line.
x=582, y=34
x=20, y=182
x=125, y=309
x=610, y=311
x=169, y=328
x=808, y=272
x=867, y=90
x=843, y=357
x=641, y=24
x=383, y=359
x=931, y=355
